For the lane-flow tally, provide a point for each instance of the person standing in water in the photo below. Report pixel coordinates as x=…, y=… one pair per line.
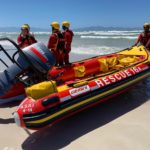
x=25, y=38
x=68, y=36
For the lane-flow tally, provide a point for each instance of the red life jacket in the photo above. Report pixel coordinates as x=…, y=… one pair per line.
x=68, y=36
x=145, y=36
x=61, y=42
x=56, y=42
x=26, y=41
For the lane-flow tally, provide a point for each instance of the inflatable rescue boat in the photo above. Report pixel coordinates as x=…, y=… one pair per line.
x=83, y=84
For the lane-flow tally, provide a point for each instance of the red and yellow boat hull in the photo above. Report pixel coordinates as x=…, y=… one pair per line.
x=81, y=94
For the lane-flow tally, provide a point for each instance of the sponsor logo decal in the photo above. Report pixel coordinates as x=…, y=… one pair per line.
x=80, y=90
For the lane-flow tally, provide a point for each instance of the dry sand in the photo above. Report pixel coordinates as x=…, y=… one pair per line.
x=121, y=123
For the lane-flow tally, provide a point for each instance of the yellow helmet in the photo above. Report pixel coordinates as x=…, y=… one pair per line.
x=66, y=24
x=55, y=25
x=25, y=26
x=146, y=25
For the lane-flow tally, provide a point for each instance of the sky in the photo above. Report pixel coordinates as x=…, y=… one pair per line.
x=81, y=13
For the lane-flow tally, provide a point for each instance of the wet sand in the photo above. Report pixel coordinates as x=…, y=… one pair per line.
x=122, y=123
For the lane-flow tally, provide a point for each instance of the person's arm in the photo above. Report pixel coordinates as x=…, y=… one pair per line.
x=19, y=39
x=139, y=39
x=34, y=40
x=31, y=35
x=148, y=45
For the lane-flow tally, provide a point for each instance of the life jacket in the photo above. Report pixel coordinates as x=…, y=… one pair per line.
x=145, y=36
x=68, y=35
x=26, y=41
x=60, y=45
x=71, y=35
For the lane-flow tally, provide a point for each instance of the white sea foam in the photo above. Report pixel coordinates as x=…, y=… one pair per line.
x=9, y=33
x=108, y=37
x=84, y=32
x=116, y=33
x=109, y=33
x=42, y=33
x=95, y=50
x=134, y=32
x=125, y=31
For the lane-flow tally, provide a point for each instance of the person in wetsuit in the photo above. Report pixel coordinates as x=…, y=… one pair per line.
x=68, y=36
x=25, y=38
x=144, y=37
x=56, y=43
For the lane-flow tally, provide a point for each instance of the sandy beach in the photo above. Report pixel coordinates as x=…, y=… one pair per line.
x=122, y=123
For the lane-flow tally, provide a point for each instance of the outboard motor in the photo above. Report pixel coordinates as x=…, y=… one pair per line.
x=40, y=57
x=39, y=60
x=29, y=65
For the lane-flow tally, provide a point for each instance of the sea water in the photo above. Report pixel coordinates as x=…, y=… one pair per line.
x=85, y=43
x=90, y=42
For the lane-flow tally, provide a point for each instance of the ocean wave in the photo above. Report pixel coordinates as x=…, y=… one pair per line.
x=9, y=33
x=125, y=31
x=95, y=50
x=116, y=33
x=108, y=33
x=17, y=33
x=134, y=32
x=42, y=33
x=108, y=37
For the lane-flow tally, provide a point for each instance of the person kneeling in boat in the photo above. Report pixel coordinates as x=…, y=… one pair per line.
x=56, y=43
x=25, y=38
x=144, y=36
x=68, y=36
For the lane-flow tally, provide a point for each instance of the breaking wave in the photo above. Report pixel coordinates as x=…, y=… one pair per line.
x=108, y=37
x=95, y=50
